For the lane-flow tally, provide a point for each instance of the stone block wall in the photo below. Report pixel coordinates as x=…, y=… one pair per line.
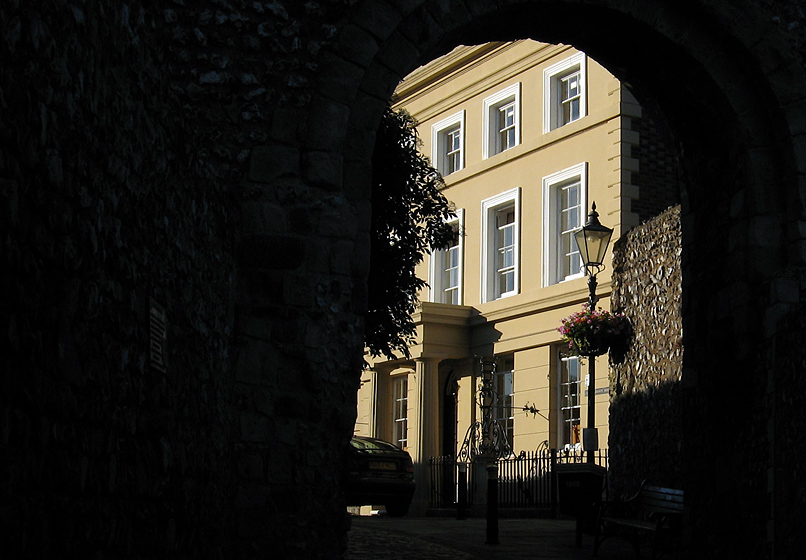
x=646, y=429
x=154, y=154
x=660, y=170
x=108, y=205
x=783, y=423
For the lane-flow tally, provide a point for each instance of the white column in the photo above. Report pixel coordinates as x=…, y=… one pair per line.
x=372, y=415
x=423, y=427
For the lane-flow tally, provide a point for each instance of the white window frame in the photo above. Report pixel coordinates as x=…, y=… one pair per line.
x=489, y=210
x=400, y=410
x=505, y=412
x=439, y=135
x=438, y=261
x=492, y=105
x=551, y=235
x=561, y=393
x=552, y=77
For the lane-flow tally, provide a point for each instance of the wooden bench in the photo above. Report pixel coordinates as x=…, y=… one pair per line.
x=653, y=510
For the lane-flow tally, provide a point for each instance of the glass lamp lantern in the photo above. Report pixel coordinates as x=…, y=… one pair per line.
x=592, y=240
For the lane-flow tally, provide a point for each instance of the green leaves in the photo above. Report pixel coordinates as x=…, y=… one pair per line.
x=409, y=218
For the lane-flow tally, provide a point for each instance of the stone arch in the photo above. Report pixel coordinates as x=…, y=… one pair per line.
x=725, y=82
x=720, y=66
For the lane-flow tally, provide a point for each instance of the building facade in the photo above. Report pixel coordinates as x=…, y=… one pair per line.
x=527, y=136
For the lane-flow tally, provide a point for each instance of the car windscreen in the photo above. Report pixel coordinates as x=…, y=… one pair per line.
x=371, y=445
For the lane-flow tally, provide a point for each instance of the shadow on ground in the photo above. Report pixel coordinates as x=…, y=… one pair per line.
x=440, y=538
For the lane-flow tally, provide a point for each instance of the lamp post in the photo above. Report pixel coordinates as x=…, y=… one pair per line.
x=592, y=240
x=489, y=446
x=485, y=442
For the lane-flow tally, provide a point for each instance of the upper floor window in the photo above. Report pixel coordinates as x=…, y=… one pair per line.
x=448, y=144
x=563, y=211
x=501, y=121
x=447, y=267
x=564, y=92
x=500, y=245
x=505, y=249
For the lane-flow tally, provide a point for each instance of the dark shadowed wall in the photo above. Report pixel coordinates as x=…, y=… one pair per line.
x=112, y=203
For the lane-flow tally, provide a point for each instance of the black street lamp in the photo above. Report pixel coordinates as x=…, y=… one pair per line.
x=592, y=241
x=486, y=442
x=490, y=445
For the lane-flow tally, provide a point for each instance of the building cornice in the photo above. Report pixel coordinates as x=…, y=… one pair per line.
x=441, y=313
x=460, y=61
x=507, y=311
x=439, y=69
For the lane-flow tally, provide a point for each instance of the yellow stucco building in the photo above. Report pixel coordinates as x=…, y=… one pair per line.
x=527, y=135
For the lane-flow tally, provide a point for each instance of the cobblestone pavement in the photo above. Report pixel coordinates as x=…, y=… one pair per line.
x=369, y=543
x=439, y=538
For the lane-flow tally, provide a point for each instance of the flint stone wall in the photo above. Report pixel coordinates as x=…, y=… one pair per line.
x=785, y=417
x=646, y=430
x=127, y=134
x=108, y=203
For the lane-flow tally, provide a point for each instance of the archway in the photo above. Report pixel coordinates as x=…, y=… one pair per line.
x=713, y=75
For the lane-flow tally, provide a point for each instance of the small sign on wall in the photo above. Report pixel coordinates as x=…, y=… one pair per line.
x=158, y=335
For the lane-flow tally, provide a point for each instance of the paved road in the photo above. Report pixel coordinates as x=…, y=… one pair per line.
x=442, y=538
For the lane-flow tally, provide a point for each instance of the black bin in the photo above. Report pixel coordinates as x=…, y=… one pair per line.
x=579, y=487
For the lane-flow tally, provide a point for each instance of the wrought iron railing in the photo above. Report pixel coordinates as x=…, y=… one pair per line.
x=524, y=481
x=447, y=475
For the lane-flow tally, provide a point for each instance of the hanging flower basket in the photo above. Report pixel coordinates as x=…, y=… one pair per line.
x=594, y=346
x=591, y=333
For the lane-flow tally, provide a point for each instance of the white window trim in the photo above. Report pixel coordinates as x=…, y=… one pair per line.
x=560, y=418
x=507, y=422
x=402, y=420
x=550, y=241
x=437, y=137
x=550, y=92
x=436, y=263
x=489, y=123
x=488, y=208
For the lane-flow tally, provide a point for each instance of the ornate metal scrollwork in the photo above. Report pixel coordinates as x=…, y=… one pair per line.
x=485, y=438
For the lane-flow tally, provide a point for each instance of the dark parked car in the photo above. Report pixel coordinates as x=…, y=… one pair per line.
x=380, y=473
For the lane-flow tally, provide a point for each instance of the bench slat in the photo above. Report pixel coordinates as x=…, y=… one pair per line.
x=649, y=500
x=654, y=504
x=664, y=491
x=628, y=522
x=661, y=499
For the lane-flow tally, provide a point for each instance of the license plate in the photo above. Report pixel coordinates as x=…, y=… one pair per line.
x=383, y=466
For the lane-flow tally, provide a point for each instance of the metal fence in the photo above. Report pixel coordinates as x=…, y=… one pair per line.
x=449, y=478
x=524, y=481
